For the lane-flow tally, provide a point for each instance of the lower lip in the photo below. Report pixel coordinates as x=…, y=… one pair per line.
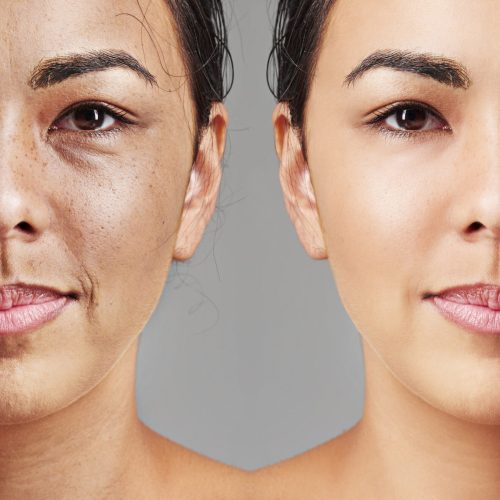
x=26, y=318
x=479, y=319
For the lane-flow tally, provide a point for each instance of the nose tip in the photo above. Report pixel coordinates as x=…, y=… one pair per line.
x=21, y=216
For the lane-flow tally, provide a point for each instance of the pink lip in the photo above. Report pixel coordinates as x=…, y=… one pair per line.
x=473, y=307
x=25, y=308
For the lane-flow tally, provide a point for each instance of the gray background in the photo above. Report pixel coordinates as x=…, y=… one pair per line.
x=250, y=357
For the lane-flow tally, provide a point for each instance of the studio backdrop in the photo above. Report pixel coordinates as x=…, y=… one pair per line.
x=250, y=357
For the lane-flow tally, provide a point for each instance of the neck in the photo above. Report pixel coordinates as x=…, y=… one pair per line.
x=417, y=451
x=79, y=451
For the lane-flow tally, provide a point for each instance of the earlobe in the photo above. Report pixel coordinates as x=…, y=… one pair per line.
x=298, y=191
x=203, y=188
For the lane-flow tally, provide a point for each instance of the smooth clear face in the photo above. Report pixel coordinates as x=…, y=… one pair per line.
x=96, y=166
x=397, y=190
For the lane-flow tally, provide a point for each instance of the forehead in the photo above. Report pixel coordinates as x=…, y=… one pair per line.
x=465, y=30
x=31, y=30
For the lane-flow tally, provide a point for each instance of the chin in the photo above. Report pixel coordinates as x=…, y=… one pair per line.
x=480, y=410
x=477, y=416
x=478, y=405
x=21, y=409
x=24, y=397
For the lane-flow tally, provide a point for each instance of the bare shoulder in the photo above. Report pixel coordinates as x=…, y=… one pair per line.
x=189, y=475
x=313, y=475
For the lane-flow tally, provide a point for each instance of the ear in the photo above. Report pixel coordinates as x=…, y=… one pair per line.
x=296, y=183
x=203, y=188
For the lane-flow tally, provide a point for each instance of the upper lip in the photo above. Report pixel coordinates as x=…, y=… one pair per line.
x=479, y=294
x=16, y=294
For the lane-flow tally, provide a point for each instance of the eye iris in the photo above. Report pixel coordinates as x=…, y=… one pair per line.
x=411, y=118
x=88, y=118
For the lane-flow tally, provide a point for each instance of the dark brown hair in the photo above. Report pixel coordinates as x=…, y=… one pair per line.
x=297, y=34
x=203, y=35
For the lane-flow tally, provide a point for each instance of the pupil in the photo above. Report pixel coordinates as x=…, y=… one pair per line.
x=411, y=118
x=88, y=118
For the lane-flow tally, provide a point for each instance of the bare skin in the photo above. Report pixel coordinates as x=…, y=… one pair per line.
x=398, y=216
x=100, y=212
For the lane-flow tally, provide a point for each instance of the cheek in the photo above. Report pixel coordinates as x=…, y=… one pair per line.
x=377, y=222
x=126, y=218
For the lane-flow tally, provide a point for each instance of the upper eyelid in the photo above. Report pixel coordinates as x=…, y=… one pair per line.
x=382, y=113
x=110, y=108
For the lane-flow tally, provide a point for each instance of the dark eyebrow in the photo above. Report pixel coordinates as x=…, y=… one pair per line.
x=57, y=69
x=441, y=69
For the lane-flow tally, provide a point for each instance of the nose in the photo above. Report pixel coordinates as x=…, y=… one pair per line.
x=18, y=217
x=24, y=213
x=482, y=184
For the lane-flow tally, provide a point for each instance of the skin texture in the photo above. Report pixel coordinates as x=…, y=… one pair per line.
x=102, y=216
x=395, y=217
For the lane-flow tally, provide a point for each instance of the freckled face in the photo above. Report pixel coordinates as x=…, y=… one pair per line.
x=395, y=209
x=97, y=166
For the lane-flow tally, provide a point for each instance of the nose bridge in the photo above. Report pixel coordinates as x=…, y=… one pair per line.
x=22, y=211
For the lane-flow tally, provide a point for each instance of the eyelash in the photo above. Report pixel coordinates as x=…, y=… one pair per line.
x=381, y=115
x=116, y=113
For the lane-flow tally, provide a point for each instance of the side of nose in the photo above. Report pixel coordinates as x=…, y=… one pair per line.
x=480, y=186
x=24, y=213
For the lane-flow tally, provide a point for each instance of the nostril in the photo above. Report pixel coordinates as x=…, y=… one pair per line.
x=26, y=227
x=474, y=227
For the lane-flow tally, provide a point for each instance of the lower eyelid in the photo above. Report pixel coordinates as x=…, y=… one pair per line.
x=424, y=135
x=78, y=138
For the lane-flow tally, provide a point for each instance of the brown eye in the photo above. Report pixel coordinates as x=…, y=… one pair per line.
x=411, y=118
x=90, y=118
